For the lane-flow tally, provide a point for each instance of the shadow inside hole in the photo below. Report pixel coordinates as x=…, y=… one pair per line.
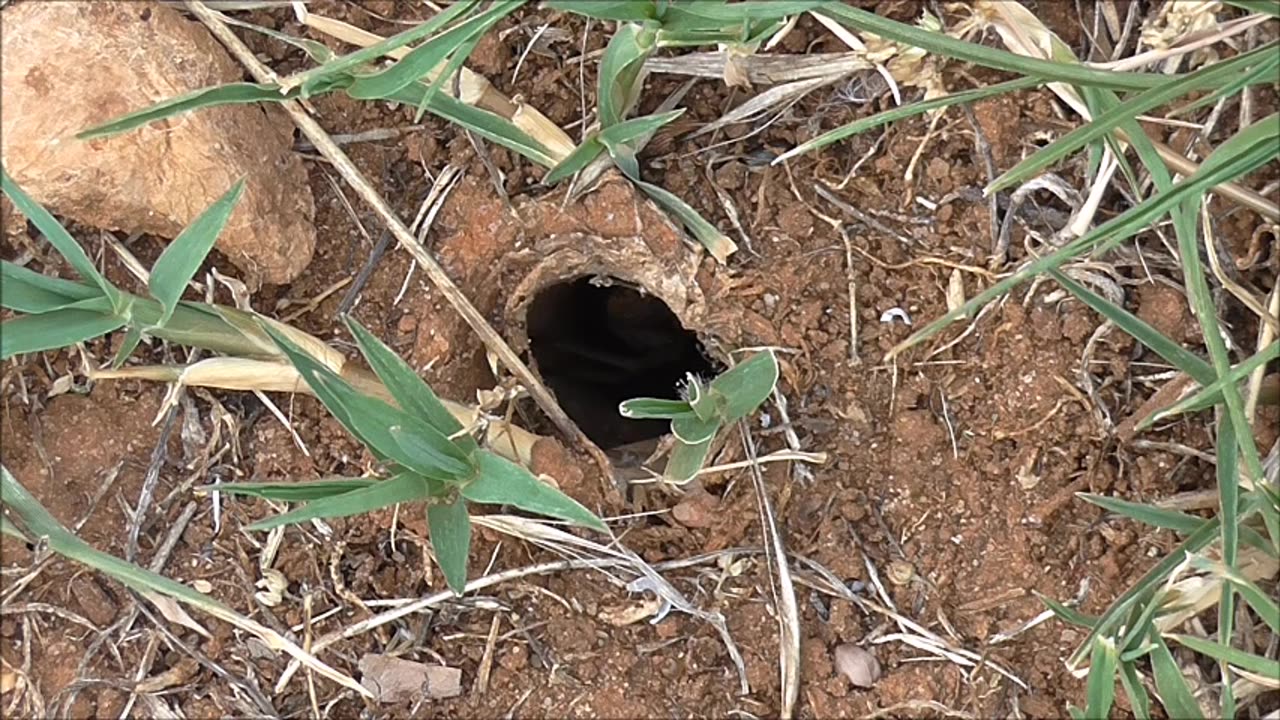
x=597, y=345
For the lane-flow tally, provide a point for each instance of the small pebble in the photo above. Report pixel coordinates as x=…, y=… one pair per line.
x=857, y=664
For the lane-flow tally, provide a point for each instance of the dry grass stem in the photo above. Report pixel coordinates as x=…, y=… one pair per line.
x=761, y=69
x=784, y=592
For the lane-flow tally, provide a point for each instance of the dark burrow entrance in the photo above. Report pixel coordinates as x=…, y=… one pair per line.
x=598, y=342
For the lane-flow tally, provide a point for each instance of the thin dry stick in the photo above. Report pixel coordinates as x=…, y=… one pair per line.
x=853, y=295
x=306, y=647
x=1266, y=334
x=1244, y=295
x=784, y=591
x=481, y=685
x=334, y=154
x=145, y=496
x=429, y=601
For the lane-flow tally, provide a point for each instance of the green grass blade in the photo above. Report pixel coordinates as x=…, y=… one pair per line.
x=1100, y=690
x=692, y=430
x=1266, y=7
x=1133, y=689
x=302, y=491
x=409, y=390
x=697, y=38
x=1211, y=394
x=487, y=125
x=707, y=16
x=620, y=67
x=705, y=404
x=1263, y=604
x=1147, y=514
x=653, y=409
x=58, y=236
x=625, y=139
x=56, y=329
x=60, y=540
x=1100, y=100
x=1258, y=139
x=716, y=242
x=686, y=460
x=132, y=337
x=1107, y=121
x=1228, y=475
x=435, y=450
x=1141, y=616
x=403, y=488
x=1233, y=656
x=1070, y=615
x=183, y=257
x=740, y=390
x=384, y=427
x=581, y=157
x=455, y=61
x=940, y=44
x=1171, y=686
x=450, y=528
x=229, y=94
x=10, y=529
x=906, y=111
x=1194, y=543
x=27, y=291
x=1175, y=354
x=501, y=482
x=619, y=10
x=317, y=51
x=625, y=158
x=204, y=326
x=1263, y=73
x=372, y=420
x=1108, y=233
x=629, y=130
x=429, y=54
x=321, y=76
x=40, y=523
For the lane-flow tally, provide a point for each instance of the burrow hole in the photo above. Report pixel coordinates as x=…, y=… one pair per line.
x=598, y=342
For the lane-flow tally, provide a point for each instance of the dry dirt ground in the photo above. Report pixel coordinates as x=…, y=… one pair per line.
x=952, y=472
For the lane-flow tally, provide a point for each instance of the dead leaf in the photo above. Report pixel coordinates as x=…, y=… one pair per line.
x=392, y=680
x=735, y=72
x=955, y=291
x=61, y=385
x=179, y=674
x=273, y=584
x=174, y=613
x=631, y=613
x=8, y=681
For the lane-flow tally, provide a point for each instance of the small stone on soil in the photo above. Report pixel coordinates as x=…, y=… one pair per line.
x=857, y=664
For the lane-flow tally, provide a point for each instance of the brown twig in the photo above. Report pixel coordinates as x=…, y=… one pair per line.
x=334, y=154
